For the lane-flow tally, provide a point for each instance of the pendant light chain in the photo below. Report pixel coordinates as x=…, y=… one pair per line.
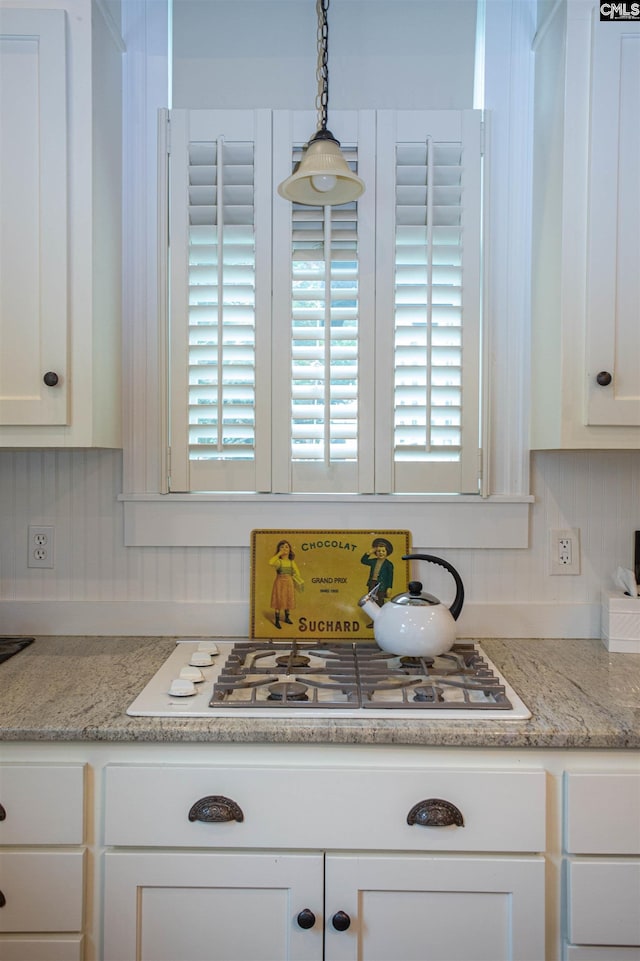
x=322, y=177
x=322, y=73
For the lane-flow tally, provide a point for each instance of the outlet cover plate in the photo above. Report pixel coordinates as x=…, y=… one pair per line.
x=564, y=551
x=40, y=546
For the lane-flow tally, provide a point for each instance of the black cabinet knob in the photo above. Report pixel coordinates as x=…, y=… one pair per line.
x=604, y=378
x=306, y=919
x=3, y=900
x=50, y=378
x=3, y=813
x=341, y=921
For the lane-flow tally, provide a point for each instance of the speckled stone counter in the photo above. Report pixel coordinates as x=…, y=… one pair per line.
x=78, y=689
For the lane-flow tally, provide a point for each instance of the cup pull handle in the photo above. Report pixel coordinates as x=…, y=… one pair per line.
x=435, y=813
x=215, y=809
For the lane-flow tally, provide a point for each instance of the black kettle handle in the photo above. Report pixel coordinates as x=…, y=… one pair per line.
x=458, y=601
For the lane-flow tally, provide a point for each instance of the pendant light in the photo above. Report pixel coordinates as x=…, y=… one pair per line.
x=322, y=177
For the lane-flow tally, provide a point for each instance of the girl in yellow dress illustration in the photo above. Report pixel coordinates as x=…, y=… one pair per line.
x=287, y=580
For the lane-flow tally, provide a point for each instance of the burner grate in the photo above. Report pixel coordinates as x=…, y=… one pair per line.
x=13, y=645
x=313, y=674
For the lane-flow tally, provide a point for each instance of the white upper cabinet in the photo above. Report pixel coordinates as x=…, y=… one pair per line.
x=613, y=239
x=33, y=226
x=60, y=225
x=586, y=283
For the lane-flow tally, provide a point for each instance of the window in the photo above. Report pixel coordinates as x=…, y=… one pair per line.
x=324, y=349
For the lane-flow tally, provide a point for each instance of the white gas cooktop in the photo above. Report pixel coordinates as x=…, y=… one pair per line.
x=251, y=673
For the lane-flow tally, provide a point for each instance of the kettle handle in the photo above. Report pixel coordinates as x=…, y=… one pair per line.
x=458, y=601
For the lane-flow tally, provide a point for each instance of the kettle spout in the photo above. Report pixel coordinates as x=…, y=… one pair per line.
x=368, y=604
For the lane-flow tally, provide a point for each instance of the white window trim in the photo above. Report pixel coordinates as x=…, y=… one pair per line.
x=498, y=519
x=226, y=520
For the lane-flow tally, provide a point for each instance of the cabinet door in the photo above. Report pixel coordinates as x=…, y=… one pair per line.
x=42, y=803
x=41, y=890
x=422, y=908
x=33, y=217
x=604, y=902
x=206, y=906
x=22, y=948
x=613, y=279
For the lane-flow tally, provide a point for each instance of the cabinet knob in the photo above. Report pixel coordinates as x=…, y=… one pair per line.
x=341, y=921
x=3, y=900
x=306, y=919
x=51, y=378
x=604, y=378
x=3, y=813
x=435, y=813
x=215, y=808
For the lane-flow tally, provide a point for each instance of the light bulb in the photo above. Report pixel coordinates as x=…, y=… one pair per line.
x=323, y=182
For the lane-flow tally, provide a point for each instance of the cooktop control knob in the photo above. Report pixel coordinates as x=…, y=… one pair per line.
x=208, y=647
x=182, y=688
x=201, y=659
x=193, y=674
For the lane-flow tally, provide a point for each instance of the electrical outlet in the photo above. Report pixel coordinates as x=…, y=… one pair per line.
x=564, y=551
x=40, y=547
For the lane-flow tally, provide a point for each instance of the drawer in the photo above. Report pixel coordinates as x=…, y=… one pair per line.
x=42, y=890
x=68, y=948
x=602, y=813
x=603, y=902
x=149, y=805
x=587, y=952
x=42, y=803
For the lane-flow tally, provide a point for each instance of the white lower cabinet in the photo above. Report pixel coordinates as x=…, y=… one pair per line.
x=602, y=866
x=273, y=864
x=250, y=851
x=441, y=908
x=168, y=905
x=207, y=906
x=42, y=862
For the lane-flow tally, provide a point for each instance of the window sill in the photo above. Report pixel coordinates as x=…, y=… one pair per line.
x=226, y=520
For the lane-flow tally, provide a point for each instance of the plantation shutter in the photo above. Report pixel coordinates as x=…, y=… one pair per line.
x=325, y=349
x=219, y=203
x=432, y=378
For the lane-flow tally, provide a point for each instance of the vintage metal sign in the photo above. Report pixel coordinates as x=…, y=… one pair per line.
x=307, y=583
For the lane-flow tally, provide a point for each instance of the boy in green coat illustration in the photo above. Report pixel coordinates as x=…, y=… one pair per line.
x=380, y=568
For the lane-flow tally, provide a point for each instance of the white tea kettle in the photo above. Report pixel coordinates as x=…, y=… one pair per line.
x=415, y=624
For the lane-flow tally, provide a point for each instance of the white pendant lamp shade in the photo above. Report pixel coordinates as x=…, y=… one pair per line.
x=323, y=176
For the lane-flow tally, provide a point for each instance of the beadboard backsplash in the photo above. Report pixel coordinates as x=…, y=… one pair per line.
x=99, y=586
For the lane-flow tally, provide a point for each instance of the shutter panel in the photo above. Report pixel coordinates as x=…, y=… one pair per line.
x=322, y=386
x=214, y=281
x=436, y=228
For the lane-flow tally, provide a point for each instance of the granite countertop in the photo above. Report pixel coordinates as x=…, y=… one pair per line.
x=78, y=689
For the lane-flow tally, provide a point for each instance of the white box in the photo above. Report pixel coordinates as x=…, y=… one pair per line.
x=620, y=622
